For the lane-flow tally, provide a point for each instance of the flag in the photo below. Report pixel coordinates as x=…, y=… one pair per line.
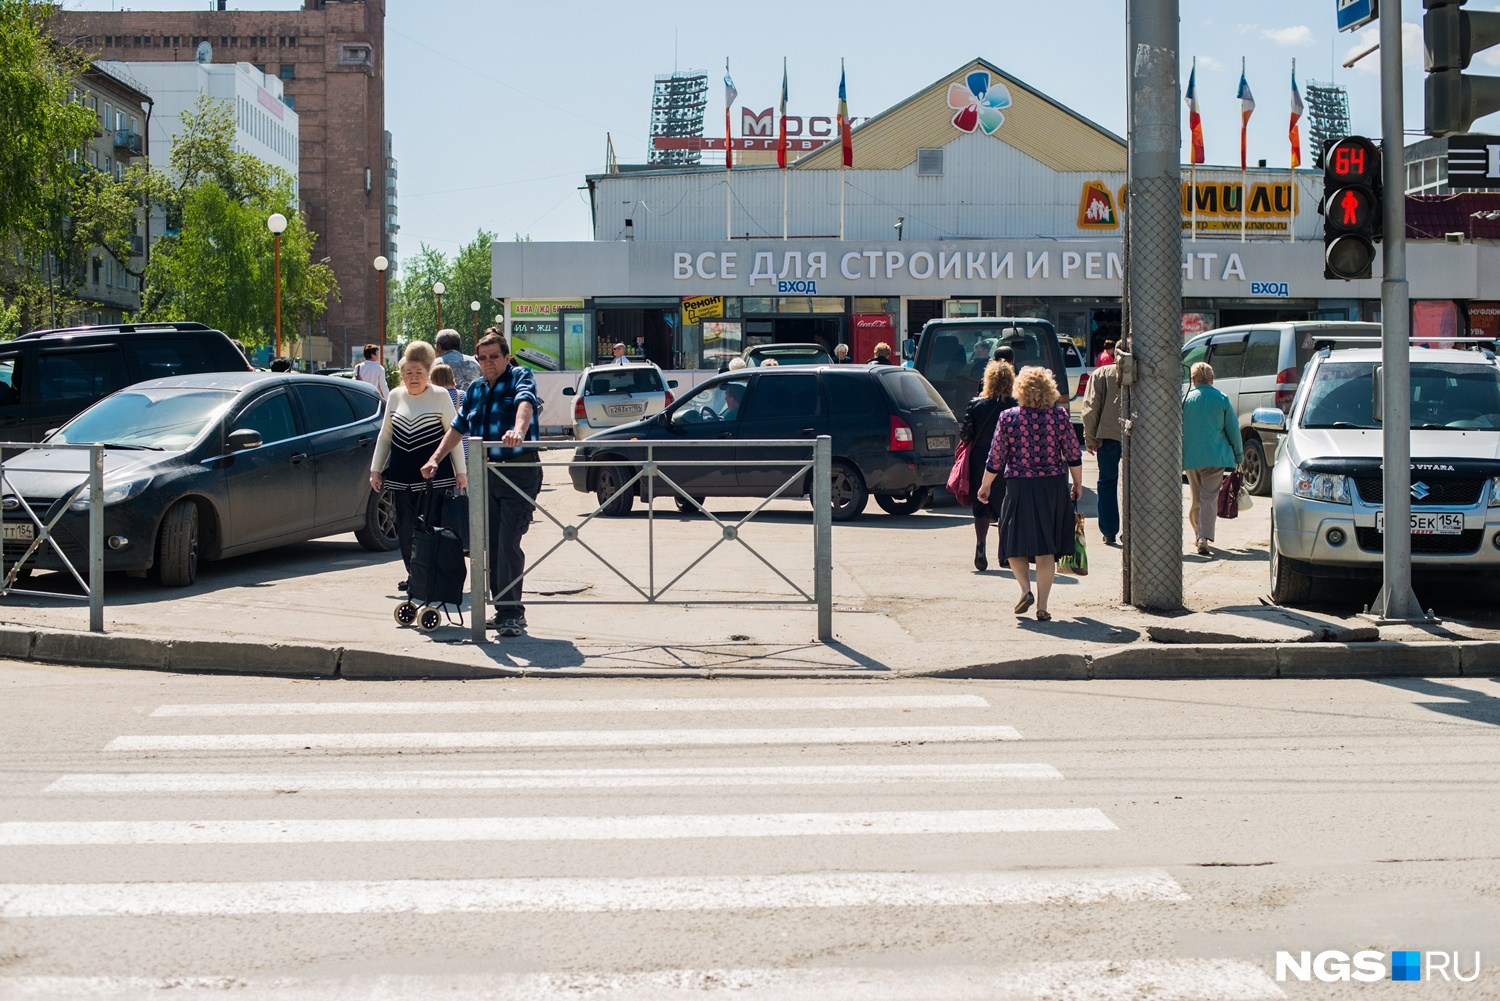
x=729, y=95
x=845, y=138
x=1293, y=133
x=1195, y=121
x=781, y=136
x=1247, y=108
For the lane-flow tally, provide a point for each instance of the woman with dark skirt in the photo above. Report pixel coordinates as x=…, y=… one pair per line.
x=1037, y=451
x=978, y=429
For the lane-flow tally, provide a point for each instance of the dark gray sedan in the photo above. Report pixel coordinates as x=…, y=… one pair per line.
x=206, y=467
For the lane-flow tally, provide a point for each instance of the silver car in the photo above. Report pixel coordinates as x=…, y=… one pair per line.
x=1327, y=496
x=610, y=395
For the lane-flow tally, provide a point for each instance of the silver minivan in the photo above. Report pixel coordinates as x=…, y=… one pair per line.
x=1259, y=365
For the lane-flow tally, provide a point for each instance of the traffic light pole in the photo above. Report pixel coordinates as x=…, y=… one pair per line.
x=1396, y=601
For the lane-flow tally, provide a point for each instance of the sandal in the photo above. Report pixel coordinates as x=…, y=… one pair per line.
x=1025, y=603
x=1043, y=616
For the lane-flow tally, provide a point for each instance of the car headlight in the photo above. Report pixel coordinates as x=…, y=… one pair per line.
x=114, y=493
x=1330, y=487
x=1495, y=491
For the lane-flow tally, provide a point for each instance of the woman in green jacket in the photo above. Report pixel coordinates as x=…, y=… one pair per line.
x=1210, y=446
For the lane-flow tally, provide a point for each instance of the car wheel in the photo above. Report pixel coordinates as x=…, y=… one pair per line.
x=906, y=502
x=1289, y=586
x=610, y=479
x=1253, y=467
x=177, y=546
x=685, y=506
x=848, y=492
x=378, y=534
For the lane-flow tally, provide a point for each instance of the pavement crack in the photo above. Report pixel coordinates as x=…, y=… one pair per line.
x=1230, y=865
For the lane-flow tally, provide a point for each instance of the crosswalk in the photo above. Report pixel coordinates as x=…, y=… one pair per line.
x=596, y=856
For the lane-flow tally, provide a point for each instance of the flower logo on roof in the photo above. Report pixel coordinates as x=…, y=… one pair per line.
x=977, y=103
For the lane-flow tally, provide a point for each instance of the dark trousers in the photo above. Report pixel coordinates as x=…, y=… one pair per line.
x=509, y=519
x=406, y=522
x=1109, y=487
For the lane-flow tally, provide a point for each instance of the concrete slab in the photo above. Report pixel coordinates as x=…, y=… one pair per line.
x=1198, y=661
x=1048, y=667
x=15, y=643
x=376, y=665
x=1368, y=660
x=1261, y=624
x=100, y=649
x=294, y=660
x=1481, y=660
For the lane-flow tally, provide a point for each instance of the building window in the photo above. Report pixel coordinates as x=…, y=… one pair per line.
x=929, y=163
x=355, y=55
x=288, y=71
x=289, y=101
x=292, y=41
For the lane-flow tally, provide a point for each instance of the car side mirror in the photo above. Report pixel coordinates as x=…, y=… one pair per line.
x=568, y=391
x=244, y=438
x=1268, y=419
x=50, y=433
x=1377, y=395
x=908, y=348
x=671, y=383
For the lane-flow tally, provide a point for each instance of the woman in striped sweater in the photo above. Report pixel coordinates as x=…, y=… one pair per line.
x=416, y=417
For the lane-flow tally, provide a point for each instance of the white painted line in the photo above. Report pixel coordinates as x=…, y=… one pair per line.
x=501, y=706
x=559, y=828
x=537, y=778
x=510, y=740
x=588, y=895
x=1103, y=980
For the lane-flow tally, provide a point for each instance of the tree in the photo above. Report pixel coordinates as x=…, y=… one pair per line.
x=466, y=279
x=218, y=266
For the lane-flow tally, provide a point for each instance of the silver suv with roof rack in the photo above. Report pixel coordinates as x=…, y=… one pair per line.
x=1327, y=508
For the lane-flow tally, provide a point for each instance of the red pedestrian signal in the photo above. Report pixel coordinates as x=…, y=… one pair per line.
x=1351, y=208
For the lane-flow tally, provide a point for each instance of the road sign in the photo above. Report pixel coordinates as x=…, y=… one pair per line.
x=1474, y=161
x=1356, y=13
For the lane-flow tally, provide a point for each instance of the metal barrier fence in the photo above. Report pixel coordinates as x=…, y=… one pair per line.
x=641, y=458
x=21, y=523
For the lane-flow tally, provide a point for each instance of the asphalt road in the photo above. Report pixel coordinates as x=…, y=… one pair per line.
x=180, y=836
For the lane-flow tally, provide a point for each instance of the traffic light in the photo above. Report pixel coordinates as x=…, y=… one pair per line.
x=1451, y=36
x=1351, y=207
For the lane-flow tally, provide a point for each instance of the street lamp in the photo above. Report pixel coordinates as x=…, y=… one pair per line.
x=380, y=265
x=474, y=308
x=277, y=225
x=438, y=288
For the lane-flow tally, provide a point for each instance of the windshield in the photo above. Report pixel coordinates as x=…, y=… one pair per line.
x=798, y=354
x=1460, y=397
x=962, y=350
x=168, y=419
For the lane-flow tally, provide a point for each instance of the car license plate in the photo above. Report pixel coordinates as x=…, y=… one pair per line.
x=18, y=531
x=939, y=442
x=624, y=409
x=1429, y=522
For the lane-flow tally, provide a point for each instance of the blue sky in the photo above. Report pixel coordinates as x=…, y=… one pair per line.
x=499, y=109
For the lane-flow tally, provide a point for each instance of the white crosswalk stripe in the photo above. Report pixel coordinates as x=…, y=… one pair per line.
x=1104, y=980
x=543, y=778
x=568, y=895
x=518, y=739
x=527, y=706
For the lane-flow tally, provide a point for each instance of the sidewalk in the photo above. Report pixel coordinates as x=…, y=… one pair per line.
x=907, y=601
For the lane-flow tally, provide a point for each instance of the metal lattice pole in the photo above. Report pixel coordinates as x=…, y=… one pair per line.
x=1154, y=288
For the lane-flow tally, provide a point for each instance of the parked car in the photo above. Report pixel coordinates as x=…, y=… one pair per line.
x=1259, y=366
x=893, y=436
x=49, y=376
x=1079, y=369
x=946, y=354
x=1327, y=494
x=787, y=354
x=611, y=395
x=205, y=467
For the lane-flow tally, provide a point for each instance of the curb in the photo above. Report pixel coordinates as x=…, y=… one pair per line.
x=1140, y=661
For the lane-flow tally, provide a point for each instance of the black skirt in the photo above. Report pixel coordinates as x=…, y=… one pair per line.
x=990, y=509
x=1036, y=518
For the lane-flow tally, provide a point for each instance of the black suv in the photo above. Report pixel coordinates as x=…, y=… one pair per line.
x=48, y=377
x=893, y=436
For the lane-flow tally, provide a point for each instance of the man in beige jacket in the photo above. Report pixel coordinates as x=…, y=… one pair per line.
x=1101, y=436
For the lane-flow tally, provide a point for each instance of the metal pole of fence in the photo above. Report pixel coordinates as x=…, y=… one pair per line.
x=822, y=503
x=651, y=520
x=479, y=534
x=96, y=538
x=4, y=576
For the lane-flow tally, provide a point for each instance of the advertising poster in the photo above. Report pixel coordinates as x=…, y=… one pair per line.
x=697, y=308
x=536, y=332
x=721, y=341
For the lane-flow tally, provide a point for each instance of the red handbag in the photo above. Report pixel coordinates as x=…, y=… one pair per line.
x=958, y=480
x=1229, y=494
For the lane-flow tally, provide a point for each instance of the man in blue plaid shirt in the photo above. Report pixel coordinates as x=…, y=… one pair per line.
x=502, y=407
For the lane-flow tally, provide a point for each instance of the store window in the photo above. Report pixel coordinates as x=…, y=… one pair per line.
x=810, y=304
x=721, y=341
x=757, y=304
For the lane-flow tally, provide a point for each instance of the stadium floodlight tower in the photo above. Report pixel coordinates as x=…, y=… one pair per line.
x=677, y=104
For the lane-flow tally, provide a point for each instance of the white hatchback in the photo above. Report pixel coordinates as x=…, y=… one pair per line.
x=610, y=395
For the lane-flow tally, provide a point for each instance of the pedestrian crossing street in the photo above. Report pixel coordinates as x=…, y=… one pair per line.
x=790, y=847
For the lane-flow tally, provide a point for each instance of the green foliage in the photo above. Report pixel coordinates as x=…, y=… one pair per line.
x=41, y=126
x=466, y=278
x=219, y=267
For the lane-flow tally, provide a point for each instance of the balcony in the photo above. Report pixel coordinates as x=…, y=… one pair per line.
x=130, y=142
